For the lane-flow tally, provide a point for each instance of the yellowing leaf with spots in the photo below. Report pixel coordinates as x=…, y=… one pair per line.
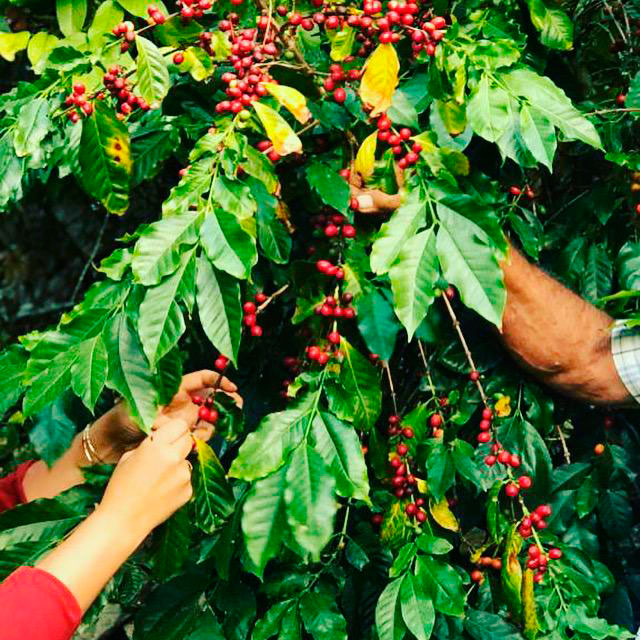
x=503, y=407
x=380, y=78
x=441, y=513
x=366, y=156
x=511, y=574
x=105, y=158
x=529, y=614
x=291, y=99
x=282, y=136
x=11, y=43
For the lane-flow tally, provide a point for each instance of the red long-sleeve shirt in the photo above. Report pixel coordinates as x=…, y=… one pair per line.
x=33, y=603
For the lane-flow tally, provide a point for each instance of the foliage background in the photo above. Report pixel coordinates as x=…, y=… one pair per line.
x=581, y=226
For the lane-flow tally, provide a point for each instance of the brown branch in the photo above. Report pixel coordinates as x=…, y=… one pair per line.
x=463, y=342
x=565, y=450
x=271, y=298
x=385, y=366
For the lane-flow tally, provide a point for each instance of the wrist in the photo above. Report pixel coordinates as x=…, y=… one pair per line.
x=129, y=530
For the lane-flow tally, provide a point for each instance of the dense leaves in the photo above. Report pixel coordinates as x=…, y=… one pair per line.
x=352, y=497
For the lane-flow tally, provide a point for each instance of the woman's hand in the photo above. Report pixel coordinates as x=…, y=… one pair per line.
x=154, y=480
x=375, y=201
x=147, y=486
x=115, y=432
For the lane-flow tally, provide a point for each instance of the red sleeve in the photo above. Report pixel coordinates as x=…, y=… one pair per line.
x=35, y=605
x=11, y=491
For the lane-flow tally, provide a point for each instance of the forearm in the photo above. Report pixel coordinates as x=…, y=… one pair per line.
x=557, y=335
x=42, y=481
x=91, y=555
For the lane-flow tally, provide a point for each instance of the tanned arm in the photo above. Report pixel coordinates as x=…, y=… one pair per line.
x=562, y=339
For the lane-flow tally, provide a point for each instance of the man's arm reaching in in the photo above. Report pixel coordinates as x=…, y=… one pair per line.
x=559, y=337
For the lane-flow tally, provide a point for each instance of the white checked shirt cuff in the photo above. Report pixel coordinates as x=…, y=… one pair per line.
x=625, y=347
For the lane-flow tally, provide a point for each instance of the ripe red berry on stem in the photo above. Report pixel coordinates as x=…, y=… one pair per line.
x=402, y=449
x=525, y=482
x=339, y=95
x=555, y=554
x=512, y=490
x=474, y=376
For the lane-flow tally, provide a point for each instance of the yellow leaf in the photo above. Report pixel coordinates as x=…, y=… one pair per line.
x=421, y=485
x=426, y=140
x=503, y=406
x=11, y=43
x=291, y=99
x=511, y=574
x=380, y=78
x=366, y=156
x=39, y=47
x=394, y=530
x=282, y=136
x=200, y=67
x=441, y=513
x=529, y=614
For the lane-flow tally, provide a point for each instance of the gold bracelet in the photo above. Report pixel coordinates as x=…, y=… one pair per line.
x=90, y=451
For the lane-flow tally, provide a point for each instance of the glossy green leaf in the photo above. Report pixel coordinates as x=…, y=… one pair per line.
x=413, y=275
x=31, y=128
x=469, y=261
x=219, y=310
x=394, y=234
x=227, y=245
x=539, y=135
x=361, y=382
x=389, y=624
x=488, y=109
x=71, y=15
x=377, y=323
x=321, y=616
x=214, y=499
x=152, y=72
x=309, y=497
x=52, y=432
x=555, y=26
x=105, y=158
x=171, y=544
x=12, y=364
x=332, y=189
x=264, y=521
x=417, y=608
x=129, y=371
x=89, y=370
x=442, y=584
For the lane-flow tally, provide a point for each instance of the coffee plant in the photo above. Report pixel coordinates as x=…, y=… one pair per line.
x=393, y=474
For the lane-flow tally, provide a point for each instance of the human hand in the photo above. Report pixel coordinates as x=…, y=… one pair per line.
x=375, y=201
x=152, y=482
x=114, y=433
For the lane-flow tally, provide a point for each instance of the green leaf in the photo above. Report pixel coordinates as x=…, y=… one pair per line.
x=441, y=469
x=264, y=521
x=50, y=383
x=488, y=110
x=482, y=625
x=214, y=500
x=273, y=237
x=413, y=275
x=431, y=544
x=615, y=513
x=321, y=616
x=107, y=15
x=89, y=370
x=549, y=100
x=227, y=245
x=309, y=496
x=12, y=365
x=555, y=26
x=129, y=372
x=539, y=135
x=139, y=7
x=160, y=322
x=39, y=47
x=171, y=544
x=105, y=159
x=219, y=309
x=341, y=42
x=158, y=251
x=442, y=583
x=330, y=186
x=152, y=73
x=31, y=127
x=377, y=323
x=340, y=448
x=269, y=625
x=598, y=273
x=360, y=381
x=71, y=15
x=256, y=164
x=52, y=433
x=389, y=623
x=394, y=234
x=266, y=449
x=628, y=266
x=151, y=147
x=417, y=608
x=469, y=261
x=11, y=43
x=233, y=196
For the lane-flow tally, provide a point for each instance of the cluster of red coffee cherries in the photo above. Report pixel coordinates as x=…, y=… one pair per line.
x=331, y=309
x=325, y=267
x=192, y=9
x=538, y=560
x=338, y=76
x=121, y=90
x=207, y=411
x=484, y=434
x=155, y=15
x=336, y=224
x=536, y=519
x=127, y=31
x=399, y=142
x=251, y=311
x=245, y=83
x=487, y=562
x=78, y=99
x=517, y=191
